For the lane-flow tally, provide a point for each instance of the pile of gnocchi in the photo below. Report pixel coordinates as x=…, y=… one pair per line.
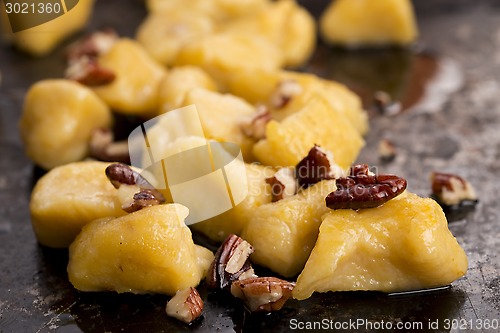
x=320, y=223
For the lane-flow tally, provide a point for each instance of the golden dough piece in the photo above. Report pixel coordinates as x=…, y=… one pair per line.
x=402, y=245
x=236, y=219
x=148, y=251
x=358, y=23
x=283, y=233
x=67, y=198
x=288, y=141
x=58, y=119
x=138, y=77
x=43, y=39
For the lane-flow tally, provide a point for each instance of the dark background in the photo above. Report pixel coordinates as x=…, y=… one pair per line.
x=462, y=136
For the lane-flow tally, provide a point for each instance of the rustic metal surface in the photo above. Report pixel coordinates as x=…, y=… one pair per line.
x=461, y=136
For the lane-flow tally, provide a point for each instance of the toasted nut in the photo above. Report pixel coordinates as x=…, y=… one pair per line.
x=140, y=200
x=283, y=184
x=263, y=294
x=450, y=189
x=87, y=71
x=186, y=305
x=137, y=192
x=362, y=189
x=384, y=105
x=102, y=147
x=386, y=150
x=317, y=166
x=255, y=127
x=360, y=170
x=230, y=262
x=92, y=45
x=285, y=91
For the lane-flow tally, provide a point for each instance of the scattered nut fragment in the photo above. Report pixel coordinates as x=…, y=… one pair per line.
x=137, y=200
x=230, y=263
x=263, y=294
x=387, y=150
x=317, y=166
x=450, y=189
x=134, y=191
x=87, y=71
x=360, y=170
x=384, y=105
x=83, y=66
x=362, y=189
x=255, y=127
x=283, y=184
x=186, y=305
x=285, y=91
x=102, y=147
x=92, y=45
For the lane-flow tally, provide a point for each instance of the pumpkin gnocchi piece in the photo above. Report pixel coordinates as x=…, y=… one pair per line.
x=178, y=82
x=163, y=34
x=44, y=38
x=148, y=251
x=219, y=10
x=58, y=119
x=135, y=88
x=235, y=220
x=67, y=198
x=286, y=92
x=283, y=233
x=222, y=116
x=402, y=245
x=317, y=123
x=356, y=23
x=297, y=44
x=222, y=55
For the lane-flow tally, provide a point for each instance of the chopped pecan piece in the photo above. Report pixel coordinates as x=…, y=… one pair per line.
x=362, y=189
x=316, y=166
x=283, y=184
x=186, y=305
x=92, y=45
x=263, y=294
x=139, y=200
x=103, y=148
x=384, y=105
x=134, y=191
x=231, y=261
x=87, y=71
x=387, y=150
x=285, y=91
x=450, y=189
x=255, y=127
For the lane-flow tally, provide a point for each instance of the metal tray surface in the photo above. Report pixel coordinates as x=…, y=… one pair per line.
x=461, y=134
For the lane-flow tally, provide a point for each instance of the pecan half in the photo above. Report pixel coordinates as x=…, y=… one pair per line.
x=86, y=70
x=285, y=91
x=283, y=184
x=134, y=191
x=230, y=263
x=450, y=189
x=263, y=294
x=316, y=166
x=363, y=189
x=186, y=305
x=255, y=127
x=103, y=148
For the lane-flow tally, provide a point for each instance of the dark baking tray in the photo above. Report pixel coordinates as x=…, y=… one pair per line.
x=463, y=136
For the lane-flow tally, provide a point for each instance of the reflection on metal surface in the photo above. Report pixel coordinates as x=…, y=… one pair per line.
x=420, y=81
